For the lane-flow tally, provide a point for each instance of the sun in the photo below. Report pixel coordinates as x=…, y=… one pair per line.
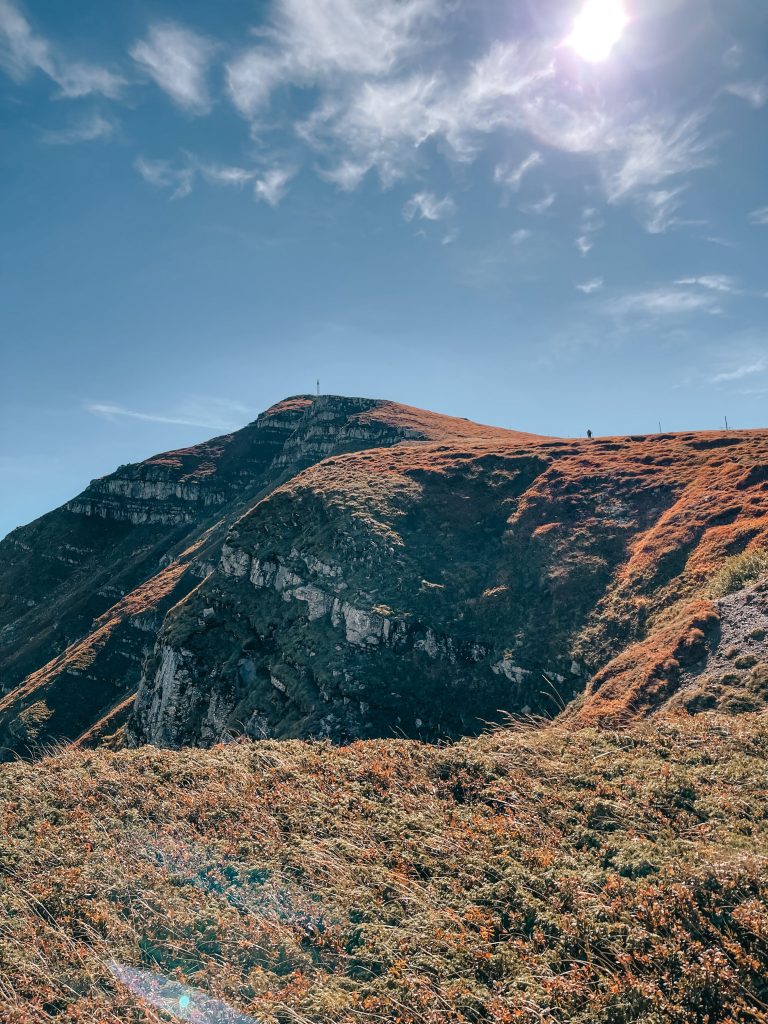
x=597, y=29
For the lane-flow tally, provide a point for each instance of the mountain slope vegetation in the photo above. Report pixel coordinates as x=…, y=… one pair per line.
x=537, y=874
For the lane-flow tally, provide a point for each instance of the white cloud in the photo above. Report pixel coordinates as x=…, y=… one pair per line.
x=252, y=77
x=426, y=206
x=591, y=223
x=590, y=287
x=80, y=79
x=384, y=91
x=663, y=302
x=272, y=186
x=87, y=129
x=364, y=37
x=222, y=174
x=753, y=93
x=647, y=152
x=269, y=184
x=759, y=216
x=740, y=372
x=658, y=208
x=347, y=175
x=328, y=40
x=512, y=177
x=23, y=51
x=376, y=111
x=177, y=59
x=381, y=124
x=520, y=236
x=712, y=282
x=542, y=206
x=211, y=413
x=162, y=174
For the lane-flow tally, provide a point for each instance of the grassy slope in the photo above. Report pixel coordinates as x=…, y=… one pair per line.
x=596, y=553
x=528, y=875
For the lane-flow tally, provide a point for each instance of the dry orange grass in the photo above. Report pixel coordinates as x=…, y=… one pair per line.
x=532, y=875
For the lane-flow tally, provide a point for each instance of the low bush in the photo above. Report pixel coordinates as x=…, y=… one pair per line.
x=740, y=571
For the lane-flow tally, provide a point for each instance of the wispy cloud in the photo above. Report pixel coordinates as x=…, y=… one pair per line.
x=162, y=174
x=426, y=206
x=644, y=153
x=759, y=216
x=520, y=236
x=376, y=109
x=78, y=79
x=591, y=224
x=749, y=369
x=753, y=93
x=381, y=92
x=590, y=287
x=23, y=51
x=226, y=175
x=251, y=79
x=722, y=283
x=542, y=206
x=328, y=40
x=177, y=59
x=664, y=302
x=511, y=176
x=658, y=208
x=347, y=175
x=212, y=413
x=272, y=186
x=86, y=129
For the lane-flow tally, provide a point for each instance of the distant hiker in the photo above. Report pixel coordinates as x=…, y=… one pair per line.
x=589, y=434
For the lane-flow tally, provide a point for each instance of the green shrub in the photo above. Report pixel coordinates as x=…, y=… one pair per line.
x=740, y=571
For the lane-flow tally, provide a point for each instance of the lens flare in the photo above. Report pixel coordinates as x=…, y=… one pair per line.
x=597, y=29
x=179, y=1001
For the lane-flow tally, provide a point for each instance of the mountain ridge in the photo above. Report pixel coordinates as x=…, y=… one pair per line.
x=353, y=567
x=65, y=579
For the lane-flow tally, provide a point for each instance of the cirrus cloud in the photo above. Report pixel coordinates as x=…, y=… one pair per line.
x=177, y=59
x=24, y=51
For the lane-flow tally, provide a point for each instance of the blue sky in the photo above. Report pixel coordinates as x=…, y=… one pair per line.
x=204, y=207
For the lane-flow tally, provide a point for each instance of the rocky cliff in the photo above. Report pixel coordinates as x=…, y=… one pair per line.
x=349, y=567
x=84, y=590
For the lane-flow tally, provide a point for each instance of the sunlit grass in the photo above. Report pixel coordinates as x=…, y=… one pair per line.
x=534, y=874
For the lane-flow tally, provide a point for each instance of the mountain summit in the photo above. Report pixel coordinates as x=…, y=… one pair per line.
x=349, y=567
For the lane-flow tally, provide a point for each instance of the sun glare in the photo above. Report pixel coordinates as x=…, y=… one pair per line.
x=597, y=29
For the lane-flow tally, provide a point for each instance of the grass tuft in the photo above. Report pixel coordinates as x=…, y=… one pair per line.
x=740, y=571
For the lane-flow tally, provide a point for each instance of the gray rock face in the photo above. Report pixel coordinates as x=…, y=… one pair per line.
x=734, y=675
x=321, y=627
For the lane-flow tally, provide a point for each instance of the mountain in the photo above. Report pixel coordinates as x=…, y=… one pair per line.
x=349, y=568
x=84, y=590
